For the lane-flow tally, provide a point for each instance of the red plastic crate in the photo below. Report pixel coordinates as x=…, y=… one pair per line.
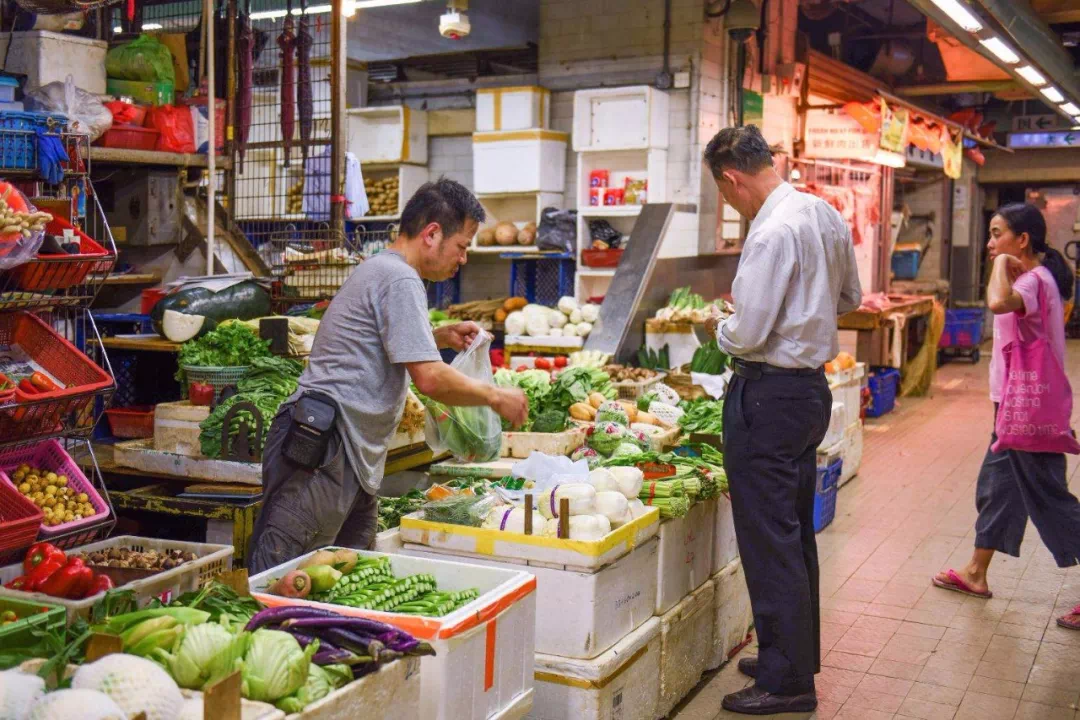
x=601, y=258
x=150, y=298
x=19, y=521
x=131, y=423
x=79, y=376
x=130, y=137
x=51, y=456
x=60, y=272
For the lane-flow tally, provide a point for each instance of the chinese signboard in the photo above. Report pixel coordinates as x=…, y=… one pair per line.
x=835, y=135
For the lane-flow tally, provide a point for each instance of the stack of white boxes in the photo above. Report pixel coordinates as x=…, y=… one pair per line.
x=514, y=151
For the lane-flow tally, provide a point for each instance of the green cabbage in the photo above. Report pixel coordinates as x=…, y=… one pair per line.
x=206, y=653
x=321, y=681
x=612, y=412
x=275, y=666
x=626, y=449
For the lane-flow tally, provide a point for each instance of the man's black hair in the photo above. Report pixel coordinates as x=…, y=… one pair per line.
x=444, y=201
x=738, y=148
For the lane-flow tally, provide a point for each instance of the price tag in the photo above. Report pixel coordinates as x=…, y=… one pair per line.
x=221, y=701
x=101, y=645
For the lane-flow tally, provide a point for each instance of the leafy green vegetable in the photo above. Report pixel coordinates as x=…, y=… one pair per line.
x=702, y=416
x=536, y=384
x=274, y=375
x=646, y=400
x=268, y=383
x=392, y=509
x=574, y=385
x=206, y=653
x=551, y=421
x=321, y=681
x=230, y=345
x=275, y=666
x=709, y=359
x=471, y=434
x=460, y=510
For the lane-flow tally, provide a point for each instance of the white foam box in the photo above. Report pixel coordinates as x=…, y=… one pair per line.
x=483, y=667
x=484, y=543
x=176, y=427
x=846, y=387
x=685, y=556
x=392, y=693
x=513, y=108
x=731, y=613
x=726, y=546
x=621, y=118
x=686, y=637
x=390, y=134
x=851, y=451
x=519, y=161
x=621, y=684
x=582, y=614
x=45, y=57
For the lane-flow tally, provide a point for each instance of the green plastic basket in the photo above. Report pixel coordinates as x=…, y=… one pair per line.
x=33, y=616
x=217, y=377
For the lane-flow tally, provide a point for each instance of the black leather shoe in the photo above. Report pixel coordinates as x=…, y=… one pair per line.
x=755, y=701
x=748, y=666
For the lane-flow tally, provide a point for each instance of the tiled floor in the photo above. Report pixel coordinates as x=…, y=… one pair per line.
x=896, y=647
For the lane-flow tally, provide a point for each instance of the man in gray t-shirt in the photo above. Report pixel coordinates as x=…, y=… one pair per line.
x=374, y=336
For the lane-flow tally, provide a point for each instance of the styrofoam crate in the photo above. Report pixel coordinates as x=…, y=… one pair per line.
x=686, y=637
x=732, y=613
x=725, y=546
x=483, y=543
x=484, y=651
x=167, y=585
x=391, y=693
x=519, y=161
x=851, y=451
x=835, y=432
x=513, y=108
x=522, y=444
x=621, y=684
x=46, y=57
x=583, y=614
x=387, y=134
x=389, y=541
x=685, y=556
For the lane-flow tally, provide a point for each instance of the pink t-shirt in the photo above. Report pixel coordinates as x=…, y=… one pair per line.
x=1006, y=327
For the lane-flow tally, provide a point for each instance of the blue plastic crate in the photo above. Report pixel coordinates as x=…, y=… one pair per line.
x=963, y=328
x=18, y=138
x=443, y=294
x=112, y=324
x=884, y=384
x=542, y=281
x=905, y=264
x=828, y=483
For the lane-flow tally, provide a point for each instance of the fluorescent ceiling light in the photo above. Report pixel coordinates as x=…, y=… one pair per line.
x=1071, y=109
x=361, y=4
x=348, y=8
x=1032, y=75
x=1001, y=51
x=959, y=14
x=1052, y=94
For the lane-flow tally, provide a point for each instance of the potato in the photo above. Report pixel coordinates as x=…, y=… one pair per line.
x=596, y=400
x=485, y=238
x=527, y=235
x=582, y=411
x=506, y=233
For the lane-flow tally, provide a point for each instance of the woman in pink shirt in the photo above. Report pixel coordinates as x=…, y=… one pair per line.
x=1014, y=485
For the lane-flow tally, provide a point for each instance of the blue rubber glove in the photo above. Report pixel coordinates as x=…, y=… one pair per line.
x=51, y=153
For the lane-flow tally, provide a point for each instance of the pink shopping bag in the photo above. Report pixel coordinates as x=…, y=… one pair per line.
x=1036, y=405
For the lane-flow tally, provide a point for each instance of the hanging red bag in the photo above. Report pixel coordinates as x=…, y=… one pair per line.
x=1036, y=405
x=176, y=128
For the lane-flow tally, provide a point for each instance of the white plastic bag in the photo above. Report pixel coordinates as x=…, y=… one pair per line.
x=85, y=111
x=470, y=434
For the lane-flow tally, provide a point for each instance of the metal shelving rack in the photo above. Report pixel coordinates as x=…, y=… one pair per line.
x=60, y=295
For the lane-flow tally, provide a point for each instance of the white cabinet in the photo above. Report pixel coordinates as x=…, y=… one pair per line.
x=620, y=119
x=394, y=134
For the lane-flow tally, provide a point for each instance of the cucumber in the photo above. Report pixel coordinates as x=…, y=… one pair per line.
x=244, y=301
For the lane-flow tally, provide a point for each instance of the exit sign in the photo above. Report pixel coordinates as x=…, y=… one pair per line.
x=1036, y=123
x=1063, y=139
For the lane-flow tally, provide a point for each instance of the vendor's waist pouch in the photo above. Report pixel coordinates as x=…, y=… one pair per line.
x=311, y=428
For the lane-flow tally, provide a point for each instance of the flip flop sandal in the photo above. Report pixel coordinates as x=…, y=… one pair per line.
x=1071, y=620
x=957, y=584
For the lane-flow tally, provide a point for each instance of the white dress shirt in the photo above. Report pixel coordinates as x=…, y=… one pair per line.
x=796, y=274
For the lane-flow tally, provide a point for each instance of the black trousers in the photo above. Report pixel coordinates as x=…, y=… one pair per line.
x=1015, y=485
x=772, y=428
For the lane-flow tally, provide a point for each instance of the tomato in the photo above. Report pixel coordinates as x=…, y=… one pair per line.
x=543, y=364
x=201, y=394
x=560, y=361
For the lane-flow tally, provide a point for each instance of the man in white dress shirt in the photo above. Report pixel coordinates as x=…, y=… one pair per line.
x=796, y=274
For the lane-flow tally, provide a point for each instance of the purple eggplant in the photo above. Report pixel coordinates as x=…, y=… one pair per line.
x=355, y=624
x=337, y=655
x=289, y=613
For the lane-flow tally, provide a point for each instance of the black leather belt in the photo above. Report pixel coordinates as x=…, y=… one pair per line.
x=754, y=370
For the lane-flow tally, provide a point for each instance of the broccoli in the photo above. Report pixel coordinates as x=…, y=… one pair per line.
x=551, y=421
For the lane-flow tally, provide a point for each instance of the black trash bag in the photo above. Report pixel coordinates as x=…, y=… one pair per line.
x=557, y=230
x=601, y=230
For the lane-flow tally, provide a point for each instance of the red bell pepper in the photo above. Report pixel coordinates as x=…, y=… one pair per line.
x=44, y=570
x=43, y=383
x=100, y=583
x=20, y=583
x=201, y=394
x=28, y=387
x=69, y=580
x=41, y=552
